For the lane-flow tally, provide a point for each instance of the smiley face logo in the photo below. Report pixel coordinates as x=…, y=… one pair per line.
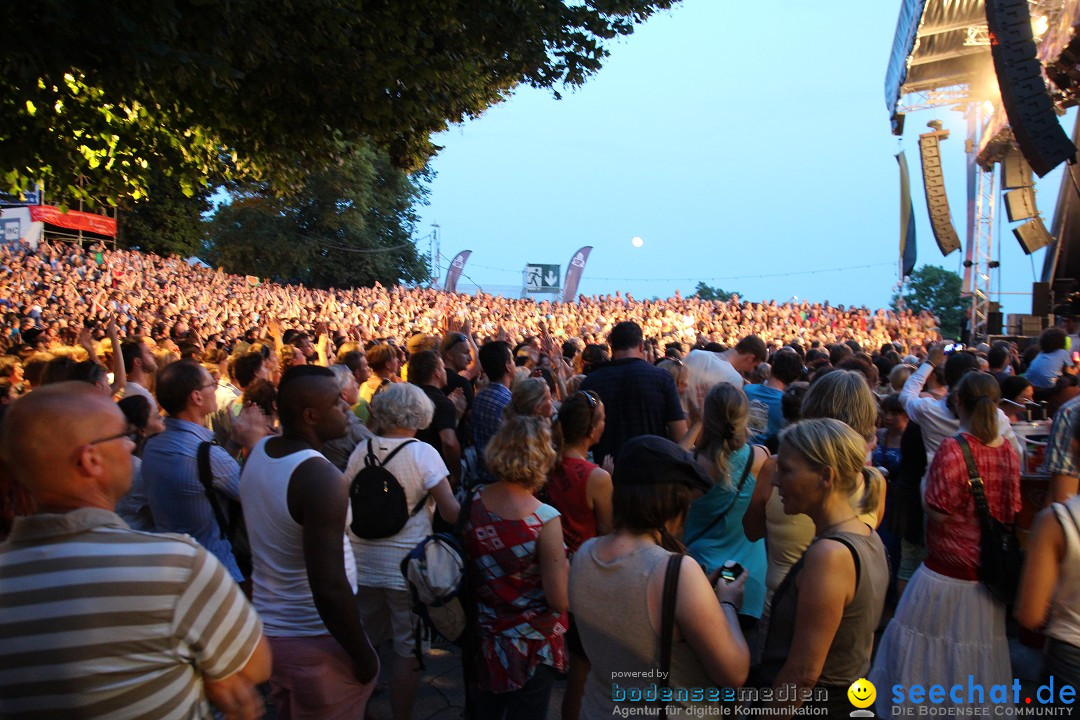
x=862, y=693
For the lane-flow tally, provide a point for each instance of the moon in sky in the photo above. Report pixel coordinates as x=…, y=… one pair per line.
x=637, y=242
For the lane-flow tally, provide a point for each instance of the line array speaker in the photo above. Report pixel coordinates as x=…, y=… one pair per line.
x=1023, y=90
x=1020, y=204
x=1040, y=298
x=937, y=204
x=1033, y=236
x=1015, y=171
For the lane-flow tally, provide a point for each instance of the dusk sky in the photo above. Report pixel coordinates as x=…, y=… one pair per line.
x=738, y=140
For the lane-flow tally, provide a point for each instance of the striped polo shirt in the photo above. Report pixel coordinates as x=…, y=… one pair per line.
x=98, y=620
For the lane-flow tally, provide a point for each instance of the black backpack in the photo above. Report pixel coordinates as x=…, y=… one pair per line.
x=379, y=506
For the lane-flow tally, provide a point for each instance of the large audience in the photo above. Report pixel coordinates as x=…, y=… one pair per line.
x=60, y=287
x=780, y=500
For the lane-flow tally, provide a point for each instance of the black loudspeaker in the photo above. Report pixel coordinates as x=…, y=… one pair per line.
x=1023, y=91
x=1020, y=204
x=898, y=124
x=994, y=322
x=1040, y=298
x=1033, y=236
x=1015, y=171
x=934, y=185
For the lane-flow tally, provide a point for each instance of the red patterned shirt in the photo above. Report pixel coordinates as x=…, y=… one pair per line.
x=952, y=546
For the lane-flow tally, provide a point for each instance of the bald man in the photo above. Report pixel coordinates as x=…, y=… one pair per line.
x=97, y=619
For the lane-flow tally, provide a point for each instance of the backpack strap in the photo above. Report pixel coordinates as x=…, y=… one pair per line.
x=373, y=461
x=206, y=477
x=667, y=619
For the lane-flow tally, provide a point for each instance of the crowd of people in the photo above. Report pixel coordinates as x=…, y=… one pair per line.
x=758, y=489
x=58, y=289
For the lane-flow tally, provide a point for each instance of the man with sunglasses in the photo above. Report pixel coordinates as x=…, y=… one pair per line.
x=96, y=619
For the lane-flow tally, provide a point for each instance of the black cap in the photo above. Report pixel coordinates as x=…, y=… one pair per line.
x=653, y=460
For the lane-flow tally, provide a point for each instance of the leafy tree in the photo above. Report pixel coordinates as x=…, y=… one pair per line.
x=95, y=94
x=936, y=290
x=349, y=225
x=166, y=221
x=705, y=292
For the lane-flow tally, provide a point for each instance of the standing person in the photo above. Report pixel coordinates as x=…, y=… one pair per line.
x=581, y=491
x=515, y=546
x=766, y=413
x=383, y=597
x=96, y=619
x=714, y=532
x=304, y=581
x=384, y=363
x=1049, y=593
x=948, y=626
x=170, y=466
x=352, y=356
x=498, y=365
x=640, y=399
x=729, y=366
x=1061, y=463
x=339, y=451
x=427, y=372
x=617, y=587
x=825, y=612
x=457, y=353
x=140, y=366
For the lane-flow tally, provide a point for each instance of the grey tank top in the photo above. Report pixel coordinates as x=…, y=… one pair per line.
x=609, y=607
x=849, y=655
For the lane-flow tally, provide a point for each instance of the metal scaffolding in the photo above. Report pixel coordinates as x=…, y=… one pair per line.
x=982, y=252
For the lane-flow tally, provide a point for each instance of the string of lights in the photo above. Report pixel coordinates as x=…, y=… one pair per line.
x=889, y=263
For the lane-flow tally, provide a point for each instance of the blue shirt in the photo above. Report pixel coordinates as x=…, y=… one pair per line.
x=639, y=399
x=487, y=415
x=177, y=499
x=764, y=405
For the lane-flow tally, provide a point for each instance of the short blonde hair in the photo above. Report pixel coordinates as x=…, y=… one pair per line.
x=521, y=452
x=843, y=395
x=826, y=442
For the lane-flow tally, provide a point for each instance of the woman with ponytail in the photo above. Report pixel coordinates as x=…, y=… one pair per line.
x=821, y=631
x=947, y=625
x=714, y=532
x=581, y=491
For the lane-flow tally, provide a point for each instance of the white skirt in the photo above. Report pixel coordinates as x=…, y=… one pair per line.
x=944, y=631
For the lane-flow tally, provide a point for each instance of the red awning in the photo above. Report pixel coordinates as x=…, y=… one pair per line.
x=73, y=219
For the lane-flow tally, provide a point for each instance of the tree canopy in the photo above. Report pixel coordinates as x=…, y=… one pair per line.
x=166, y=221
x=348, y=225
x=94, y=95
x=938, y=291
x=707, y=292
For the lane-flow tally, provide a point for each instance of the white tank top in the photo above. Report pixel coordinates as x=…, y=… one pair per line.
x=281, y=593
x=1064, y=624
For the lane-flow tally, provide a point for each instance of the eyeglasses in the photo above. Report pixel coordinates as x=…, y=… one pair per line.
x=130, y=432
x=457, y=338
